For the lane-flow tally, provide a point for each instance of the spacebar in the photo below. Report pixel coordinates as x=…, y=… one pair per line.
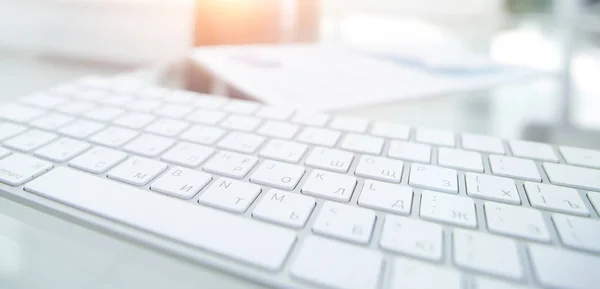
x=245, y=240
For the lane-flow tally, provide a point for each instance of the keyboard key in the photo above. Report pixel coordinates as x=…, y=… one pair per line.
x=30, y=140
x=134, y=120
x=516, y=221
x=278, y=129
x=330, y=159
x=98, y=160
x=81, y=128
x=345, y=222
x=581, y=157
x=51, y=121
x=450, y=209
x=19, y=113
x=137, y=171
x=4, y=152
x=18, y=169
x=241, y=106
x=571, y=176
x=274, y=112
x=533, y=150
x=329, y=185
x=379, y=168
x=230, y=164
x=114, y=136
x=362, y=144
x=149, y=145
x=487, y=254
x=89, y=94
x=241, y=142
x=188, y=154
x=553, y=198
x=241, y=123
x=319, y=136
x=115, y=99
x=205, y=116
x=104, y=113
x=8, y=130
x=460, y=159
x=312, y=119
x=419, y=275
x=412, y=237
x=349, y=124
x=355, y=267
x=578, y=233
x=144, y=105
x=62, y=149
x=278, y=175
x=281, y=150
x=410, y=151
x=77, y=107
x=230, y=195
x=210, y=230
x=432, y=177
x=167, y=127
x=482, y=143
x=283, y=208
x=173, y=110
x=559, y=268
x=203, y=134
x=489, y=283
x=435, y=137
x=181, y=182
x=180, y=97
x=390, y=130
x=492, y=188
x=209, y=101
x=386, y=197
x=514, y=168
x=43, y=100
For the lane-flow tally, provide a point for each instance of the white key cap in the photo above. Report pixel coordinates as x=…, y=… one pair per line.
x=30, y=140
x=265, y=246
x=19, y=113
x=435, y=137
x=514, y=168
x=114, y=136
x=241, y=142
x=241, y=106
x=173, y=110
x=482, y=143
x=4, y=152
x=231, y=195
x=558, y=268
x=137, y=171
x=362, y=144
x=386, y=197
x=281, y=150
x=180, y=97
x=410, y=151
x=578, y=233
x=274, y=112
x=435, y=178
x=278, y=175
x=390, y=130
x=460, y=159
x=411, y=274
x=144, y=105
x=188, y=154
x=241, y=123
x=98, y=160
x=571, y=176
x=134, y=120
x=329, y=159
x=345, y=222
x=181, y=183
x=288, y=209
x=205, y=116
x=43, y=100
x=492, y=188
x=90, y=94
x=355, y=267
x=278, y=129
x=379, y=168
x=412, y=237
x=329, y=185
x=516, y=221
x=230, y=164
x=77, y=107
x=581, y=157
x=8, y=130
x=149, y=145
x=115, y=99
x=559, y=199
x=167, y=127
x=210, y=101
x=64, y=89
x=312, y=119
x=595, y=200
x=62, y=149
x=450, y=209
x=105, y=113
x=532, y=150
x=81, y=128
x=350, y=124
x=486, y=253
x=319, y=136
x=51, y=121
x=203, y=134
x=18, y=169
x=489, y=283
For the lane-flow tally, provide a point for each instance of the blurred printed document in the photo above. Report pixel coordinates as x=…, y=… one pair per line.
x=326, y=78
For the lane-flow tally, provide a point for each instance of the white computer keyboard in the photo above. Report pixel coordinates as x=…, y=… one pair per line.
x=302, y=200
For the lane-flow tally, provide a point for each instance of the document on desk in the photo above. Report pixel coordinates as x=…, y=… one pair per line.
x=329, y=78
